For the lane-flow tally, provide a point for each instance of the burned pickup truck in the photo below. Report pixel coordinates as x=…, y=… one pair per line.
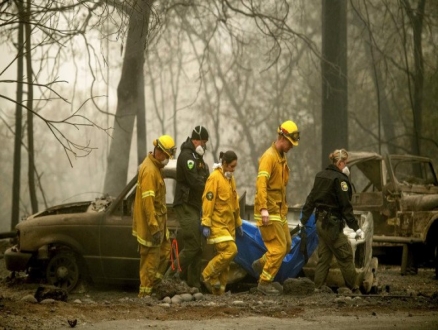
x=401, y=194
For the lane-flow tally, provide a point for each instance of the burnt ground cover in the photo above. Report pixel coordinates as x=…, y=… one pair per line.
x=402, y=300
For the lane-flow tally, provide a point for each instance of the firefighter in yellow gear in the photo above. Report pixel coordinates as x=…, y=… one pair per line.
x=150, y=215
x=220, y=221
x=270, y=206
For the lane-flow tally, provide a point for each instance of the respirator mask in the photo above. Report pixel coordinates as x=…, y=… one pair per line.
x=200, y=150
x=346, y=171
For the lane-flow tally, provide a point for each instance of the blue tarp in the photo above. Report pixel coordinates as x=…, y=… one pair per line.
x=251, y=247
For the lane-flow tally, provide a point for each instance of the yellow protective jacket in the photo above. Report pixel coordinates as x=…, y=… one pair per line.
x=271, y=185
x=220, y=207
x=150, y=210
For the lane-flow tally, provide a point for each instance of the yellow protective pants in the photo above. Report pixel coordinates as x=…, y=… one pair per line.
x=278, y=242
x=217, y=269
x=153, y=263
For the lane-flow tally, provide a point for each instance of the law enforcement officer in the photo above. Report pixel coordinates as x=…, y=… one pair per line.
x=331, y=195
x=191, y=174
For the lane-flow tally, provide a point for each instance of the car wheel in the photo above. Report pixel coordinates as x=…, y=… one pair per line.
x=409, y=260
x=63, y=271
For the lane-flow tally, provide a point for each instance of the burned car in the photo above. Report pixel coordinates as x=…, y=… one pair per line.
x=400, y=194
x=90, y=240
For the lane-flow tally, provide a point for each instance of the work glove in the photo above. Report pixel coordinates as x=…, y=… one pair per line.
x=265, y=216
x=360, y=234
x=156, y=238
x=206, y=231
x=239, y=231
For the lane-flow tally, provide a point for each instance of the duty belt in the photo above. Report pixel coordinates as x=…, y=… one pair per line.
x=323, y=212
x=326, y=211
x=322, y=215
x=324, y=207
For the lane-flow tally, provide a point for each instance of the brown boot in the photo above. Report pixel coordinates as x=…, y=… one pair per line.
x=206, y=283
x=257, y=267
x=267, y=289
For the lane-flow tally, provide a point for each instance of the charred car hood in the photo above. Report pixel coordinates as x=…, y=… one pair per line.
x=99, y=205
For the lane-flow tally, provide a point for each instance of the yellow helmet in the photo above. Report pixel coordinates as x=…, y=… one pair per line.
x=166, y=143
x=290, y=131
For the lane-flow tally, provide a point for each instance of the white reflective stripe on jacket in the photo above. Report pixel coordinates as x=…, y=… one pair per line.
x=220, y=207
x=272, y=179
x=150, y=210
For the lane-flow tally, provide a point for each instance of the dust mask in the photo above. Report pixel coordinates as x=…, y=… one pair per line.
x=200, y=150
x=228, y=175
x=346, y=171
x=165, y=161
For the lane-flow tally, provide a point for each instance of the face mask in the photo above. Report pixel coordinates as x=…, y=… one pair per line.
x=228, y=175
x=346, y=171
x=200, y=150
x=165, y=161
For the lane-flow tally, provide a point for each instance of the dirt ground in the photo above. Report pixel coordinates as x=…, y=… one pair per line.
x=405, y=302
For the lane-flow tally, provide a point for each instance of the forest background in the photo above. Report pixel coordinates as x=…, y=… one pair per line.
x=85, y=87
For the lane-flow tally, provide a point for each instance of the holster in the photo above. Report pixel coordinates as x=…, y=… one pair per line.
x=334, y=227
x=322, y=216
x=330, y=223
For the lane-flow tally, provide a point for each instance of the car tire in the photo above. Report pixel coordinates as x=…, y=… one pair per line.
x=63, y=271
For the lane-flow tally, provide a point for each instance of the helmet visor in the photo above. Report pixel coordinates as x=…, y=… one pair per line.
x=169, y=151
x=294, y=136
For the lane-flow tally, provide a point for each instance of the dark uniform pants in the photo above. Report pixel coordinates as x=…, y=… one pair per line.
x=341, y=249
x=191, y=254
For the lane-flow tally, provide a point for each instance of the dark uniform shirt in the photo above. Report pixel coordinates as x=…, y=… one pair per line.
x=331, y=190
x=191, y=175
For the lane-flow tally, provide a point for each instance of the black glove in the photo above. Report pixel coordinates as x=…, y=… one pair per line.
x=239, y=231
x=156, y=238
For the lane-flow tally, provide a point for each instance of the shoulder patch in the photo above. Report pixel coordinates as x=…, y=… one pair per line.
x=209, y=195
x=344, y=186
x=190, y=164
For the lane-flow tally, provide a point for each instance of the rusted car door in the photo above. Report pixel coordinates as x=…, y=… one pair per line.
x=118, y=248
x=367, y=181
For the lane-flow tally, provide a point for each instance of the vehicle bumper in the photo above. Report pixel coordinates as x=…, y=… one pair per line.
x=16, y=260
